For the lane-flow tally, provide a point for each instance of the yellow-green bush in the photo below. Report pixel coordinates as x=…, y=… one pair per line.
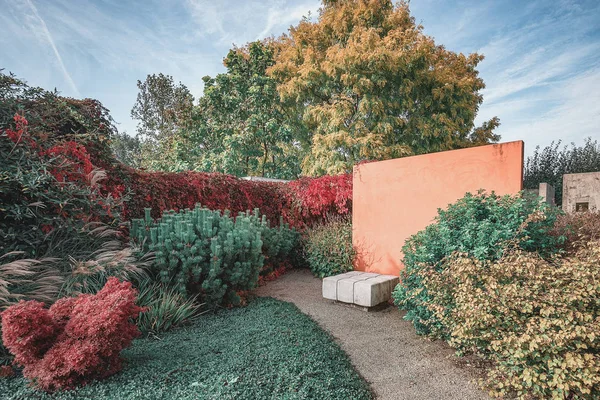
x=328, y=247
x=538, y=320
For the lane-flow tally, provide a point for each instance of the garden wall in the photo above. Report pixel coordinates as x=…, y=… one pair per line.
x=394, y=199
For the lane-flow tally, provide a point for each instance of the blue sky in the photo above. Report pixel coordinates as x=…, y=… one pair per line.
x=542, y=65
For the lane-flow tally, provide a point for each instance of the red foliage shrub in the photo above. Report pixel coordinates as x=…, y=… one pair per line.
x=6, y=371
x=80, y=164
x=76, y=340
x=271, y=276
x=20, y=134
x=578, y=228
x=312, y=199
x=299, y=203
x=174, y=191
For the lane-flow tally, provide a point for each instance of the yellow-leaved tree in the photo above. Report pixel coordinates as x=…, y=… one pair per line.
x=370, y=85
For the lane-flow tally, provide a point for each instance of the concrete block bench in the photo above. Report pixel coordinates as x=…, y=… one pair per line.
x=364, y=289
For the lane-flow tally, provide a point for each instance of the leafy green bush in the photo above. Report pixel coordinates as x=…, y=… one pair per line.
x=538, y=320
x=48, y=182
x=204, y=252
x=477, y=225
x=280, y=244
x=328, y=247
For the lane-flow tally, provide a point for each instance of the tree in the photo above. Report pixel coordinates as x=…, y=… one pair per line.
x=371, y=85
x=163, y=109
x=551, y=163
x=239, y=126
x=127, y=149
x=161, y=106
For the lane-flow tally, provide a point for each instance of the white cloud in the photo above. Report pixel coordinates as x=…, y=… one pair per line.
x=574, y=116
x=37, y=25
x=238, y=22
x=283, y=17
x=539, y=67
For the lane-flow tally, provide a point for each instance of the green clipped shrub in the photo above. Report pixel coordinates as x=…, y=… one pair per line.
x=538, y=320
x=210, y=253
x=477, y=225
x=328, y=247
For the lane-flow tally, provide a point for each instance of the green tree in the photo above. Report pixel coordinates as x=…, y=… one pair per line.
x=372, y=85
x=127, y=149
x=552, y=162
x=239, y=126
x=161, y=107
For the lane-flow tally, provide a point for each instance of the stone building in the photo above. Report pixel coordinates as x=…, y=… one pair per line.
x=581, y=192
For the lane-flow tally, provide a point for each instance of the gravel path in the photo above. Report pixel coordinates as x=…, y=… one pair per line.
x=382, y=346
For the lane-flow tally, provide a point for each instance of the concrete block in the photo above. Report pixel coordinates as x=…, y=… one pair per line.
x=345, y=287
x=330, y=286
x=351, y=273
x=364, y=289
x=546, y=191
x=374, y=291
x=370, y=274
x=581, y=192
x=330, y=283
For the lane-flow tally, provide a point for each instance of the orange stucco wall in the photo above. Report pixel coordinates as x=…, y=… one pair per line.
x=394, y=199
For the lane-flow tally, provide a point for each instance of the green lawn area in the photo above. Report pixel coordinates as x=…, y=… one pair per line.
x=267, y=350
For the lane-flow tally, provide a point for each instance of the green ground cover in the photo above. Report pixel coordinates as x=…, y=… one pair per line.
x=267, y=350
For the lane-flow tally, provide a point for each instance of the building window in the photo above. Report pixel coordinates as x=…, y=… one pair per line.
x=582, y=207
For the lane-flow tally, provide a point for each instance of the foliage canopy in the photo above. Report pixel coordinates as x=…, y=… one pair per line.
x=239, y=126
x=371, y=85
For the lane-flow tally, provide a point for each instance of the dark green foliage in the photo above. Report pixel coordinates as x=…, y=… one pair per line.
x=234, y=354
x=161, y=107
x=280, y=244
x=44, y=184
x=328, y=247
x=54, y=119
x=204, y=252
x=551, y=163
x=33, y=202
x=477, y=225
x=239, y=126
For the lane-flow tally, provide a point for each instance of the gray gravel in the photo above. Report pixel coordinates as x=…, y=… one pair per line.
x=383, y=347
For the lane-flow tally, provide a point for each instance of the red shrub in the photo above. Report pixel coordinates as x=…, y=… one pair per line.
x=75, y=341
x=314, y=198
x=165, y=191
x=271, y=276
x=80, y=165
x=578, y=229
x=6, y=371
x=299, y=203
x=20, y=134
